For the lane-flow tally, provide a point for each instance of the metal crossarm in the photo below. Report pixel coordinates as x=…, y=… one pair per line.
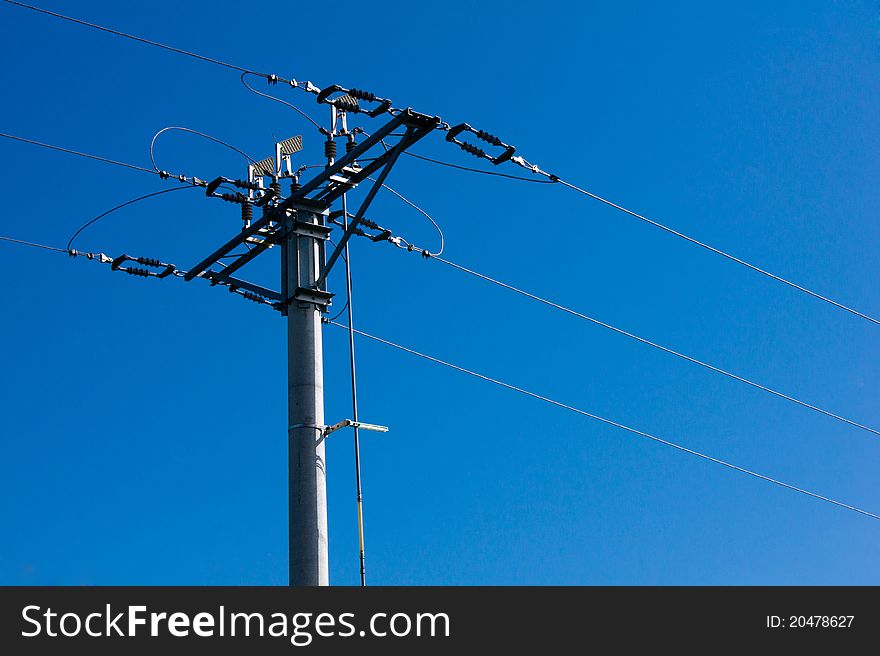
x=235, y=283
x=341, y=176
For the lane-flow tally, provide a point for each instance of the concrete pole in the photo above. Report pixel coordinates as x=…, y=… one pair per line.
x=307, y=510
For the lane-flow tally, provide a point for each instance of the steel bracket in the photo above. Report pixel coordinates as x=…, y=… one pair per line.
x=346, y=423
x=316, y=297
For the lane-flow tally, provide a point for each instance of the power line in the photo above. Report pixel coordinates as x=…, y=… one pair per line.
x=30, y=243
x=425, y=214
x=169, y=269
x=722, y=253
x=78, y=153
x=279, y=100
x=119, y=207
x=482, y=171
x=655, y=345
x=610, y=422
x=554, y=178
x=156, y=44
x=551, y=178
x=197, y=133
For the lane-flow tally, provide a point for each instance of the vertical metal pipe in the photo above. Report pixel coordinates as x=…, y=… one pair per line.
x=307, y=497
x=354, y=402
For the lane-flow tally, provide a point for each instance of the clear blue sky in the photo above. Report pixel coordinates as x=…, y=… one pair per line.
x=143, y=437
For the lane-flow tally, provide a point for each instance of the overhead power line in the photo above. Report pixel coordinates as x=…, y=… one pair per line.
x=79, y=153
x=482, y=171
x=555, y=178
x=402, y=243
x=32, y=244
x=655, y=345
x=165, y=270
x=724, y=254
x=611, y=422
x=125, y=35
x=551, y=178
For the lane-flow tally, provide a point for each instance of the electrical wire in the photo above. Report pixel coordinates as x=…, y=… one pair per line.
x=283, y=102
x=200, y=134
x=156, y=44
x=482, y=171
x=178, y=273
x=120, y=206
x=33, y=244
x=428, y=216
x=657, y=346
x=613, y=423
x=465, y=168
x=78, y=153
x=553, y=179
x=712, y=249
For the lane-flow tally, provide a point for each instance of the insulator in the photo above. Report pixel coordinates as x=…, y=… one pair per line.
x=347, y=104
x=233, y=198
x=350, y=145
x=136, y=271
x=147, y=261
x=330, y=149
x=361, y=94
x=473, y=150
x=295, y=186
x=247, y=213
x=275, y=187
x=251, y=296
x=244, y=184
x=489, y=138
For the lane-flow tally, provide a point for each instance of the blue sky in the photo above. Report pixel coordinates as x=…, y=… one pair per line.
x=143, y=434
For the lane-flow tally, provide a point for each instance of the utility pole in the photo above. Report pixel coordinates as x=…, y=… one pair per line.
x=301, y=225
x=302, y=257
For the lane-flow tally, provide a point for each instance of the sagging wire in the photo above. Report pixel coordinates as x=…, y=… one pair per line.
x=119, y=207
x=164, y=174
x=283, y=102
x=409, y=246
x=615, y=424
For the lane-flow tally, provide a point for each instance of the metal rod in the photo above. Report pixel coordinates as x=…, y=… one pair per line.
x=354, y=401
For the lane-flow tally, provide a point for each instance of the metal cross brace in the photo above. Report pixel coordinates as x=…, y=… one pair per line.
x=341, y=177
